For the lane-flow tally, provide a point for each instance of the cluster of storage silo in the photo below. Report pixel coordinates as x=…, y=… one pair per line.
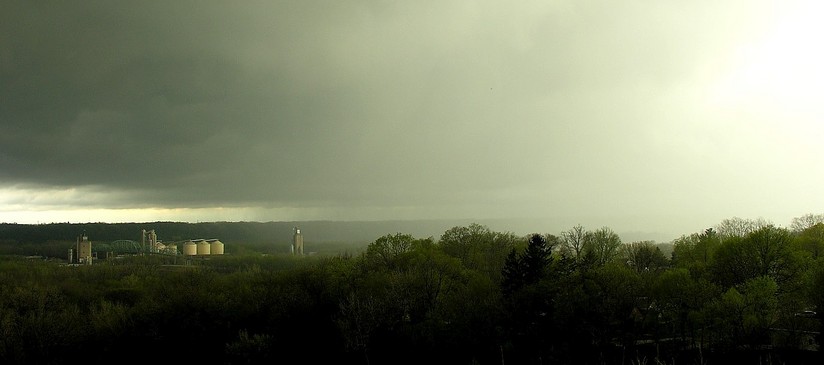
x=202, y=247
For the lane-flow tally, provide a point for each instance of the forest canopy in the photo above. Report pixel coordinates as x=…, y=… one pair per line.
x=744, y=288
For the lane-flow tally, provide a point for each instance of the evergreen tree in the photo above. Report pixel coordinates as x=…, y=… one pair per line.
x=535, y=259
x=513, y=273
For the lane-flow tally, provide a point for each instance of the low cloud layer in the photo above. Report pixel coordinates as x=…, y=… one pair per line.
x=651, y=112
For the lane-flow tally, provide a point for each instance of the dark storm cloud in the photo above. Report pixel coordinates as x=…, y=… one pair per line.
x=449, y=108
x=142, y=95
x=208, y=101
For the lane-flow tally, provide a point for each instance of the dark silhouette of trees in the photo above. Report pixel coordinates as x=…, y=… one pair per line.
x=409, y=300
x=512, y=272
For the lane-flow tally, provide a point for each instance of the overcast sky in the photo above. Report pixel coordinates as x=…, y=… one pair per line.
x=663, y=116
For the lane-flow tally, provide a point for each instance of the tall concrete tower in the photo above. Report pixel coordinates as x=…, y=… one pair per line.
x=84, y=250
x=297, y=242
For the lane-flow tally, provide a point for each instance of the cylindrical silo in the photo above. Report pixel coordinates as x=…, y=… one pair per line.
x=203, y=247
x=215, y=247
x=190, y=248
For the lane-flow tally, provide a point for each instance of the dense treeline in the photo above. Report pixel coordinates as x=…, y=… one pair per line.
x=744, y=289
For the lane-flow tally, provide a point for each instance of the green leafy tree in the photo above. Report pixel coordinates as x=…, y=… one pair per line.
x=760, y=308
x=620, y=290
x=432, y=275
x=696, y=252
x=479, y=248
x=816, y=300
x=727, y=316
x=643, y=256
x=602, y=244
x=767, y=251
x=386, y=250
x=811, y=240
x=744, y=314
x=679, y=299
x=464, y=242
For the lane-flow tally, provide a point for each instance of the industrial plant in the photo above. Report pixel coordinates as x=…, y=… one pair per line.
x=82, y=253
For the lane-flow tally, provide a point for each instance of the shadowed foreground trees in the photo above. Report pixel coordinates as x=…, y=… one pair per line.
x=474, y=296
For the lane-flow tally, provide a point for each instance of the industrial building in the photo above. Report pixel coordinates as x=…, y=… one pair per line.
x=155, y=246
x=202, y=247
x=83, y=248
x=192, y=247
x=297, y=242
x=82, y=253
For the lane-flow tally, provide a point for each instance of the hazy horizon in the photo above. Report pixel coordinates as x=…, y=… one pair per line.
x=422, y=228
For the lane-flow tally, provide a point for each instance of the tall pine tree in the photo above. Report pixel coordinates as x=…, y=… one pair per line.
x=535, y=259
x=513, y=276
